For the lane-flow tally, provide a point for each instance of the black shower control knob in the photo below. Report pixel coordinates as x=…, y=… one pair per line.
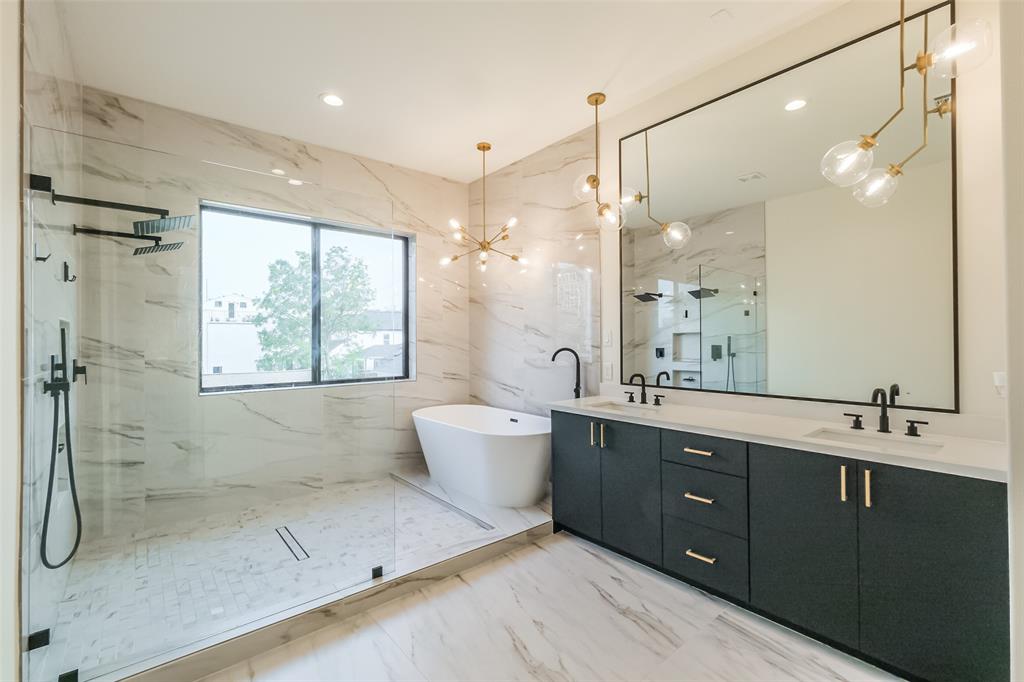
x=76, y=370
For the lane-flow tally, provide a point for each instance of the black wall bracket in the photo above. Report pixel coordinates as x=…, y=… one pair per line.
x=44, y=183
x=37, y=639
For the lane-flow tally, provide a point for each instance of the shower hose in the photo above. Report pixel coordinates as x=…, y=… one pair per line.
x=71, y=479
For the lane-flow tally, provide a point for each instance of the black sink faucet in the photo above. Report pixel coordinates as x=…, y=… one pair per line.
x=576, y=389
x=894, y=391
x=643, y=386
x=878, y=397
x=657, y=379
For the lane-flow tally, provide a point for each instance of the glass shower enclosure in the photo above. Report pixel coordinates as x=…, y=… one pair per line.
x=173, y=497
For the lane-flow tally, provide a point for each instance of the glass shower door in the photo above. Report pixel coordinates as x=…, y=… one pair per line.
x=204, y=513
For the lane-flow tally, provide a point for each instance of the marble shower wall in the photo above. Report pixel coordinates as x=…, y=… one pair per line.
x=676, y=332
x=152, y=450
x=52, y=100
x=520, y=315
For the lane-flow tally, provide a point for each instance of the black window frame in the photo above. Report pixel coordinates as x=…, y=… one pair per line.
x=316, y=227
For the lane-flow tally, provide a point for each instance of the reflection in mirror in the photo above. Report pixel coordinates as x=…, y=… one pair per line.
x=787, y=285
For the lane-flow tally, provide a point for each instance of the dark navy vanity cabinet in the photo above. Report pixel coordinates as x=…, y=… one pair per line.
x=903, y=567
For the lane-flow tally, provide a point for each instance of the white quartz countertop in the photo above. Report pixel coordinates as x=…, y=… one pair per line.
x=970, y=457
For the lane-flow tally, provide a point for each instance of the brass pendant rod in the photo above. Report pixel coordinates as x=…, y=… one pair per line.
x=483, y=188
x=903, y=19
x=924, y=105
x=597, y=156
x=647, y=163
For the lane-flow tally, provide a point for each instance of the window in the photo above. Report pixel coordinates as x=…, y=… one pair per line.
x=324, y=303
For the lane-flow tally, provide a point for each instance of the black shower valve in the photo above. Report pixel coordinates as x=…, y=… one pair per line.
x=76, y=370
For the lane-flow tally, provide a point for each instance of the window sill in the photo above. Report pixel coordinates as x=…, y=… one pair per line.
x=323, y=386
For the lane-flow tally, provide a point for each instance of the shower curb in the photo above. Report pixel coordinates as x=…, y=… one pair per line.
x=237, y=648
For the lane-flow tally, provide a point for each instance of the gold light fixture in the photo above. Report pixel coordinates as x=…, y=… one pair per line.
x=588, y=186
x=960, y=48
x=482, y=247
x=676, y=234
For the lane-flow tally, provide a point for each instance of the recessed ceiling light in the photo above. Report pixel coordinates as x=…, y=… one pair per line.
x=731, y=232
x=796, y=105
x=293, y=181
x=331, y=100
x=277, y=171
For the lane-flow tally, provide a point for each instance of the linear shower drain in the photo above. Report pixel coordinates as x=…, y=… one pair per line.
x=291, y=543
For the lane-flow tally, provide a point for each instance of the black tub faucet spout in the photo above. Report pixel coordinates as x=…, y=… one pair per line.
x=576, y=389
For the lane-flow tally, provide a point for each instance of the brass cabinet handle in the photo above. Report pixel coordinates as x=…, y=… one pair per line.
x=602, y=434
x=592, y=443
x=700, y=557
x=867, y=488
x=692, y=451
x=698, y=498
x=842, y=483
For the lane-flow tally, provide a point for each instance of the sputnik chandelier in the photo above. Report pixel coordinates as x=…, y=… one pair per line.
x=482, y=247
x=957, y=50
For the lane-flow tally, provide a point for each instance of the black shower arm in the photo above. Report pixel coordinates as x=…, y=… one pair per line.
x=44, y=183
x=75, y=229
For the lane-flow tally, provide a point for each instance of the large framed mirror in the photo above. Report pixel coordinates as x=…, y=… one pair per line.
x=789, y=286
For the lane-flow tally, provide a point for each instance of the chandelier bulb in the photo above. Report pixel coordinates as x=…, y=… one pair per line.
x=877, y=187
x=676, y=235
x=961, y=48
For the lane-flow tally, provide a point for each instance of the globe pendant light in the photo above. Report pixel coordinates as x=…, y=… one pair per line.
x=485, y=246
x=587, y=187
x=958, y=49
x=676, y=234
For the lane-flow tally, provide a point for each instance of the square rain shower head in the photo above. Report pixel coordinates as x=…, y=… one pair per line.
x=703, y=292
x=157, y=248
x=158, y=225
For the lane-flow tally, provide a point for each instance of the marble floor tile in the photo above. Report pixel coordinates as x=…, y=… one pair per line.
x=136, y=596
x=560, y=609
x=740, y=646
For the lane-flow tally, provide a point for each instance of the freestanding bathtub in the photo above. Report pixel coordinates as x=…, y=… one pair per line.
x=496, y=456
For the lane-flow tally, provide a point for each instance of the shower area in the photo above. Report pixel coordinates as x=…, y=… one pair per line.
x=174, y=494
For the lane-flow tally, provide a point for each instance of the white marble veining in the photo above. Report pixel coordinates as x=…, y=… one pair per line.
x=560, y=609
x=970, y=457
x=520, y=315
x=152, y=450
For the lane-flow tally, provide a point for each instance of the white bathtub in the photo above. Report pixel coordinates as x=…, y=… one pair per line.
x=498, y=457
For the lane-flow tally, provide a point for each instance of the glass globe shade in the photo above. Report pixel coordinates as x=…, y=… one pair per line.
x=876, y=188
x=609, y=217
x=960, y=48
x=483, y=256
x=847, y=163
x=582, y=190
x=676, y=235
x=629, y=198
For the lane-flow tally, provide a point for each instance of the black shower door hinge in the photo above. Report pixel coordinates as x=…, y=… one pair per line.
x=37, y=639
x=377, y=572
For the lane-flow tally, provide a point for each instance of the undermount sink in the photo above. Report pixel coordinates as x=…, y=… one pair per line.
x=892, y=443
x=621, y=405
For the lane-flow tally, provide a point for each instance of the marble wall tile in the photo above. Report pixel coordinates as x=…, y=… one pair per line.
x=195, y=455
x=520, y=315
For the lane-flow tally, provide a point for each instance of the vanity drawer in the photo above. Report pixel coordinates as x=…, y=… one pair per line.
x=705, y=452
x=707, y=498
x=715, y=559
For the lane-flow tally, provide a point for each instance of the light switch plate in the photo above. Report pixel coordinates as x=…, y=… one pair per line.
x=999, y=381
x=608, y=338
x=609, y=371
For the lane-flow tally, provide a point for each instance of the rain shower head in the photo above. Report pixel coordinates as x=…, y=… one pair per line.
x=703, y=292
x=647, y=297
x=157, y=248
x=165, y=224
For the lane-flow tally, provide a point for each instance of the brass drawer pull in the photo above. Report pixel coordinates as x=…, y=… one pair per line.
x=592, y=443
x=692, y=451
x=867, y=488
x=700, y=557
x=842, y=483
x=698, y=498
x=602, y=435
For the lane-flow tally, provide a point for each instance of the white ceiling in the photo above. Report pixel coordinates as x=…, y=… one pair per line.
x=422, y=81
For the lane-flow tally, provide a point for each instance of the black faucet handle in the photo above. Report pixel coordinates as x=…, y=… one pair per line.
x=912, y=425
x=858, y=420
x=632, y=396
x=657, y=399
x=77, y=369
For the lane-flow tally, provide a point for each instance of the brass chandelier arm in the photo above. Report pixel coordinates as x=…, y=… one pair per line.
x=903, y=18
x=647, y=164
x=924, y=109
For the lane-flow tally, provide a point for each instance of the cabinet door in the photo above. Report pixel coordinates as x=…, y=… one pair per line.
x=576, y=474
x=803, y=540
x=934, y=577
x=631, y=489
